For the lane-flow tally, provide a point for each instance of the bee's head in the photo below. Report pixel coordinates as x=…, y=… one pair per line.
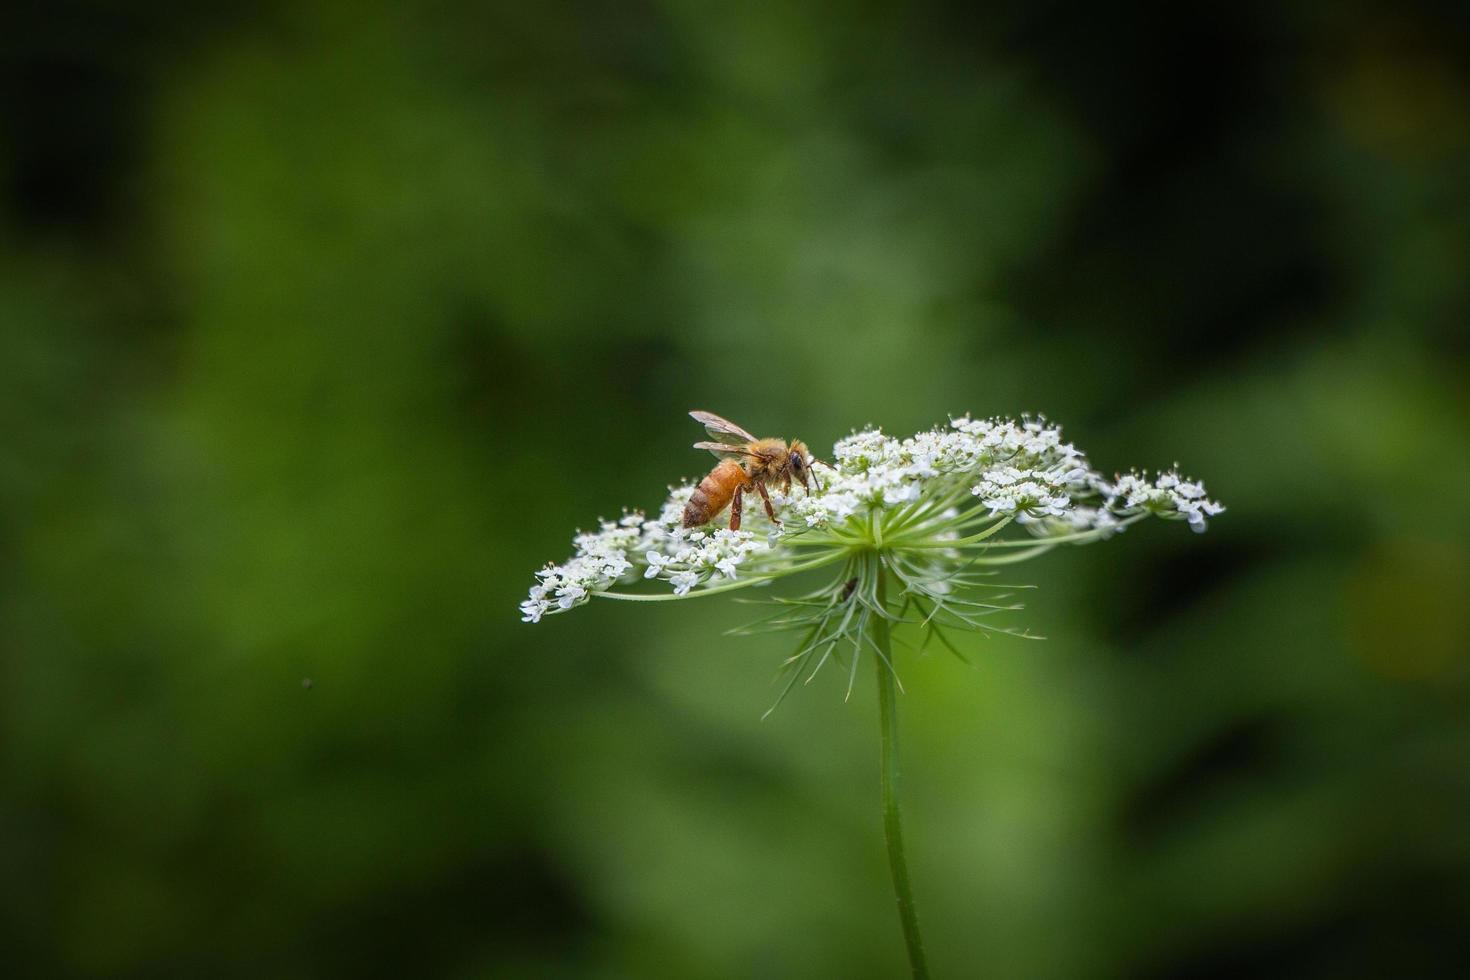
x=798, y=462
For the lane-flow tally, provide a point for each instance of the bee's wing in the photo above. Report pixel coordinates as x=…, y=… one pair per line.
x=724, y=450
x=722, y=429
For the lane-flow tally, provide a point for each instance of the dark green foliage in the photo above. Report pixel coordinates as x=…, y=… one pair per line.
x=321, y=325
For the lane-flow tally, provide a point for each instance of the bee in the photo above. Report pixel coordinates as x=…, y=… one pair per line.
x=746, y=464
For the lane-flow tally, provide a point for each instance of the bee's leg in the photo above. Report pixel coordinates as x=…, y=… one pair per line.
x=735, y=508
x=766, y=499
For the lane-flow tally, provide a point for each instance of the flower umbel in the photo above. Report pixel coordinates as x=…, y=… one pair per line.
x=935, y=511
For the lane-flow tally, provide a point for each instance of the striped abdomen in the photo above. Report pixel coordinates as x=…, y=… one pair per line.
x=713, y=493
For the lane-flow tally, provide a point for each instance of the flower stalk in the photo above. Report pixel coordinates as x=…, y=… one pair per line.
x=890, y=782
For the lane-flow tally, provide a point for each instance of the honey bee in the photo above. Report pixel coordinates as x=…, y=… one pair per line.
x=746, y=463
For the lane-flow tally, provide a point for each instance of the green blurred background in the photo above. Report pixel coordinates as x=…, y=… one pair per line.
x=323, y=324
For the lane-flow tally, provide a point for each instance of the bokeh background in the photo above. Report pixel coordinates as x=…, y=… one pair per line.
x=323, y=324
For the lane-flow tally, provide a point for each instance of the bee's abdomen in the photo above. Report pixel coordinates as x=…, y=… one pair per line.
x=713, y=493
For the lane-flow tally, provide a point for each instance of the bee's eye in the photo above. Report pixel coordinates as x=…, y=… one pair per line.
x=796, y=462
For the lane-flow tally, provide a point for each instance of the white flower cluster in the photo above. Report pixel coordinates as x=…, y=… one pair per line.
x=684, y=558
x=1024, y=493
x=600, y=560
x=1016, y=468
x=921, y=486
x=705, y=555
x=1169, y=496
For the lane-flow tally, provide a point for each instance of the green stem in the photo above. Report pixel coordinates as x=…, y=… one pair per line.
x=958, y=542
x=890, y=779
